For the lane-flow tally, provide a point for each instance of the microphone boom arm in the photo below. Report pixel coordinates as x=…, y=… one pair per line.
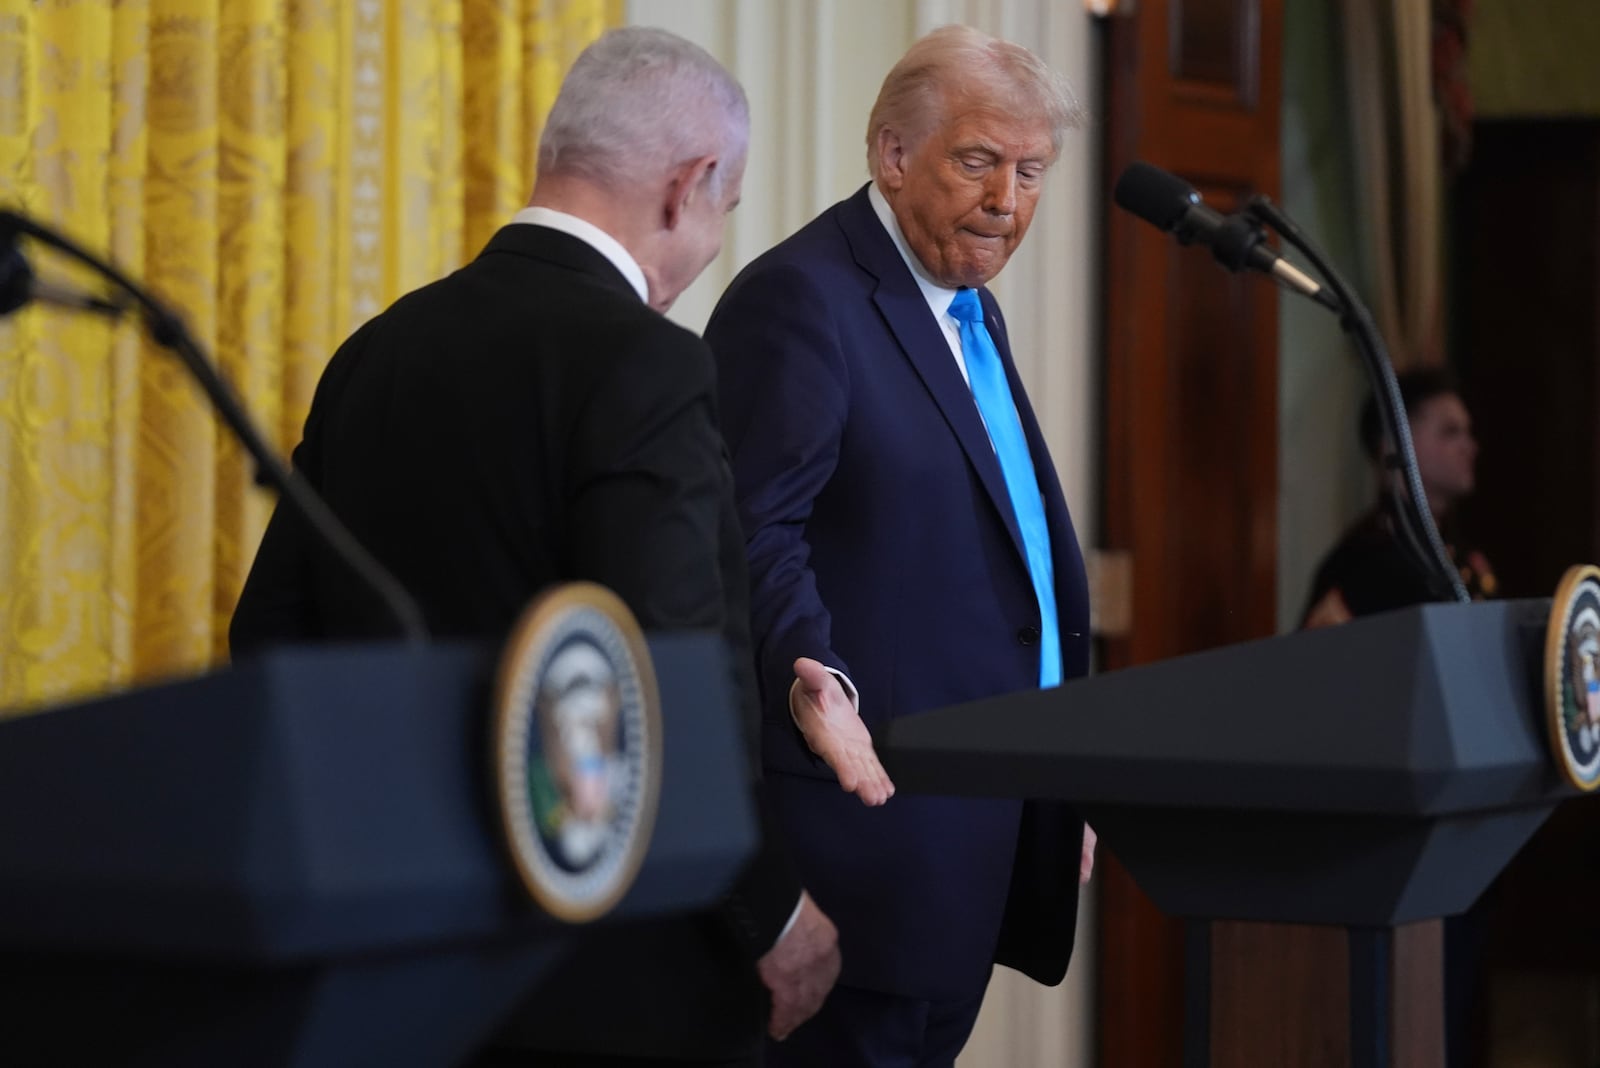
x=168, y=331
x=1418, y=531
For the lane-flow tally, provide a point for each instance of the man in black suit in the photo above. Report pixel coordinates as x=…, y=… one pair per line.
x=533, y=419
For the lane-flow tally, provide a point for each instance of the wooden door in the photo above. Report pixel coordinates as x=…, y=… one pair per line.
x=1191, y=468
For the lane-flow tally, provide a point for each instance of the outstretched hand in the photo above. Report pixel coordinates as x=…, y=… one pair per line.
x=833, y=729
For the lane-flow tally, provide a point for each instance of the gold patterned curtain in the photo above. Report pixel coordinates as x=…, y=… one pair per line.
x=1396, y=122
x=278, y=170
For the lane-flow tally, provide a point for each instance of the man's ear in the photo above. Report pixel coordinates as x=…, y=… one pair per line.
x=686, y=183
x=891, y=150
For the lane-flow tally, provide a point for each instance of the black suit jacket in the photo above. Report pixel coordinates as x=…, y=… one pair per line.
x=528, y=420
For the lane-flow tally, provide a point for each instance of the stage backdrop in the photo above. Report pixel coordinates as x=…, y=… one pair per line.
x=279, y=170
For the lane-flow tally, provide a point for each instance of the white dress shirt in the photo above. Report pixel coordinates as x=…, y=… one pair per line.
x=595, y=238
x=937, y=296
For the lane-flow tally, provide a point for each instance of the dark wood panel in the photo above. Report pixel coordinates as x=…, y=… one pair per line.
x=1223, y=399
x=1417, y=1038
x=1281, y=996
x=1213, y=55
x=1138, y=993
x=1190, y=475
x=1285, y=995
x=1229, y=335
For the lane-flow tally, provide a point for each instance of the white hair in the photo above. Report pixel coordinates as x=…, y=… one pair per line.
x=639, y=102
x=957, y=64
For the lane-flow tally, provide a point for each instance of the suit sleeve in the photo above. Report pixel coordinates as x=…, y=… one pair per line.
x=650, y=517
x=278, y=603
x=644, y=483
x=784, y=387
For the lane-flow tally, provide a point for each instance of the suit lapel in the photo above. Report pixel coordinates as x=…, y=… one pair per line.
x=923, y=343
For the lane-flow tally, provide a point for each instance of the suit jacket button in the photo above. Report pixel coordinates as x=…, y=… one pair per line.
x=1028, y=635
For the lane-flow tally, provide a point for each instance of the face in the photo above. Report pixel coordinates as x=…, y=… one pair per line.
x=696, y=236
x=965, y=195
x=1441, y=433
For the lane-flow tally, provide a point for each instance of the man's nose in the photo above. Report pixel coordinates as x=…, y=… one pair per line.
x=1000, y=195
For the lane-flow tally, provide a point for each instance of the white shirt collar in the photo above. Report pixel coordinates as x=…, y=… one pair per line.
x=937, y=296
x=595, y=238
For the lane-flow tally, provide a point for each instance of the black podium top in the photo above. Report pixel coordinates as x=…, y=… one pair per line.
x=1372, y=773
x=319, y=801
x=297, y=860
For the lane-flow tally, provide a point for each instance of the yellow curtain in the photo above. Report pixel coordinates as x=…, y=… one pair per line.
x=278, y=170
x=1396, y=124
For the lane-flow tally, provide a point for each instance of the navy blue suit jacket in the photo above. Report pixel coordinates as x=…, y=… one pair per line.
x=881, y=542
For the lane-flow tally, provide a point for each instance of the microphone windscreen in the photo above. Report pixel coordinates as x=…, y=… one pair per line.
x=1159, y=197
x=16, y=279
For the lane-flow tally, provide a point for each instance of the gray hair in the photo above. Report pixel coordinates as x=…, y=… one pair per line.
x=639, y=102
x=955, y=64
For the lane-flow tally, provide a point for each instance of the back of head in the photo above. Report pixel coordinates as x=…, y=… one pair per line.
x=957, y=64
x=1416, y=389
x=637, y=103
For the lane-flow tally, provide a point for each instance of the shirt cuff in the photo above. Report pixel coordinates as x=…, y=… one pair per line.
x=793, y=916
x=844, y=682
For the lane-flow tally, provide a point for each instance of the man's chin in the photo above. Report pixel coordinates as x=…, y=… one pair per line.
x=980, y=270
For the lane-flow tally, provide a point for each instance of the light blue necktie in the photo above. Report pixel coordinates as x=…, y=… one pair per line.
x=999, y=411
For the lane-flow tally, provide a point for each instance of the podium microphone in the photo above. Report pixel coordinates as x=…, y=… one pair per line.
x=19, y=286
x=1171, y=204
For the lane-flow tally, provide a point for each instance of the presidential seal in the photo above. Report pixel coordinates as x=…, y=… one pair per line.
x=577, y=750
x=1572, y=676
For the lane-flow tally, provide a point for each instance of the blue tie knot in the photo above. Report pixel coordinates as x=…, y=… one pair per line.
x=966, y=307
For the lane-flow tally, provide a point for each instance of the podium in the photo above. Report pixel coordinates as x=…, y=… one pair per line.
x=1360, y=777
x=296, y=860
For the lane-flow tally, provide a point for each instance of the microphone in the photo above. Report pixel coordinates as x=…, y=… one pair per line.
x=19, y=286
x=1171, y=204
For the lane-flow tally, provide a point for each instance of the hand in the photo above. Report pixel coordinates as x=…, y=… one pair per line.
x=800, y=969
x=834, y=731
x=1328, y=612
x=1086, y=862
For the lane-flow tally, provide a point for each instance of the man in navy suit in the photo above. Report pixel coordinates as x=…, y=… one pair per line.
x=909, y=548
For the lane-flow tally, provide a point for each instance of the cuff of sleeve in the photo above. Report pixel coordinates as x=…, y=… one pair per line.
x=793, y=916
x=849, y=688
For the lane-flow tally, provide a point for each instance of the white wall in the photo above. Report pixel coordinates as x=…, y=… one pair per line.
x=812, y=69
x=1323, y=480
